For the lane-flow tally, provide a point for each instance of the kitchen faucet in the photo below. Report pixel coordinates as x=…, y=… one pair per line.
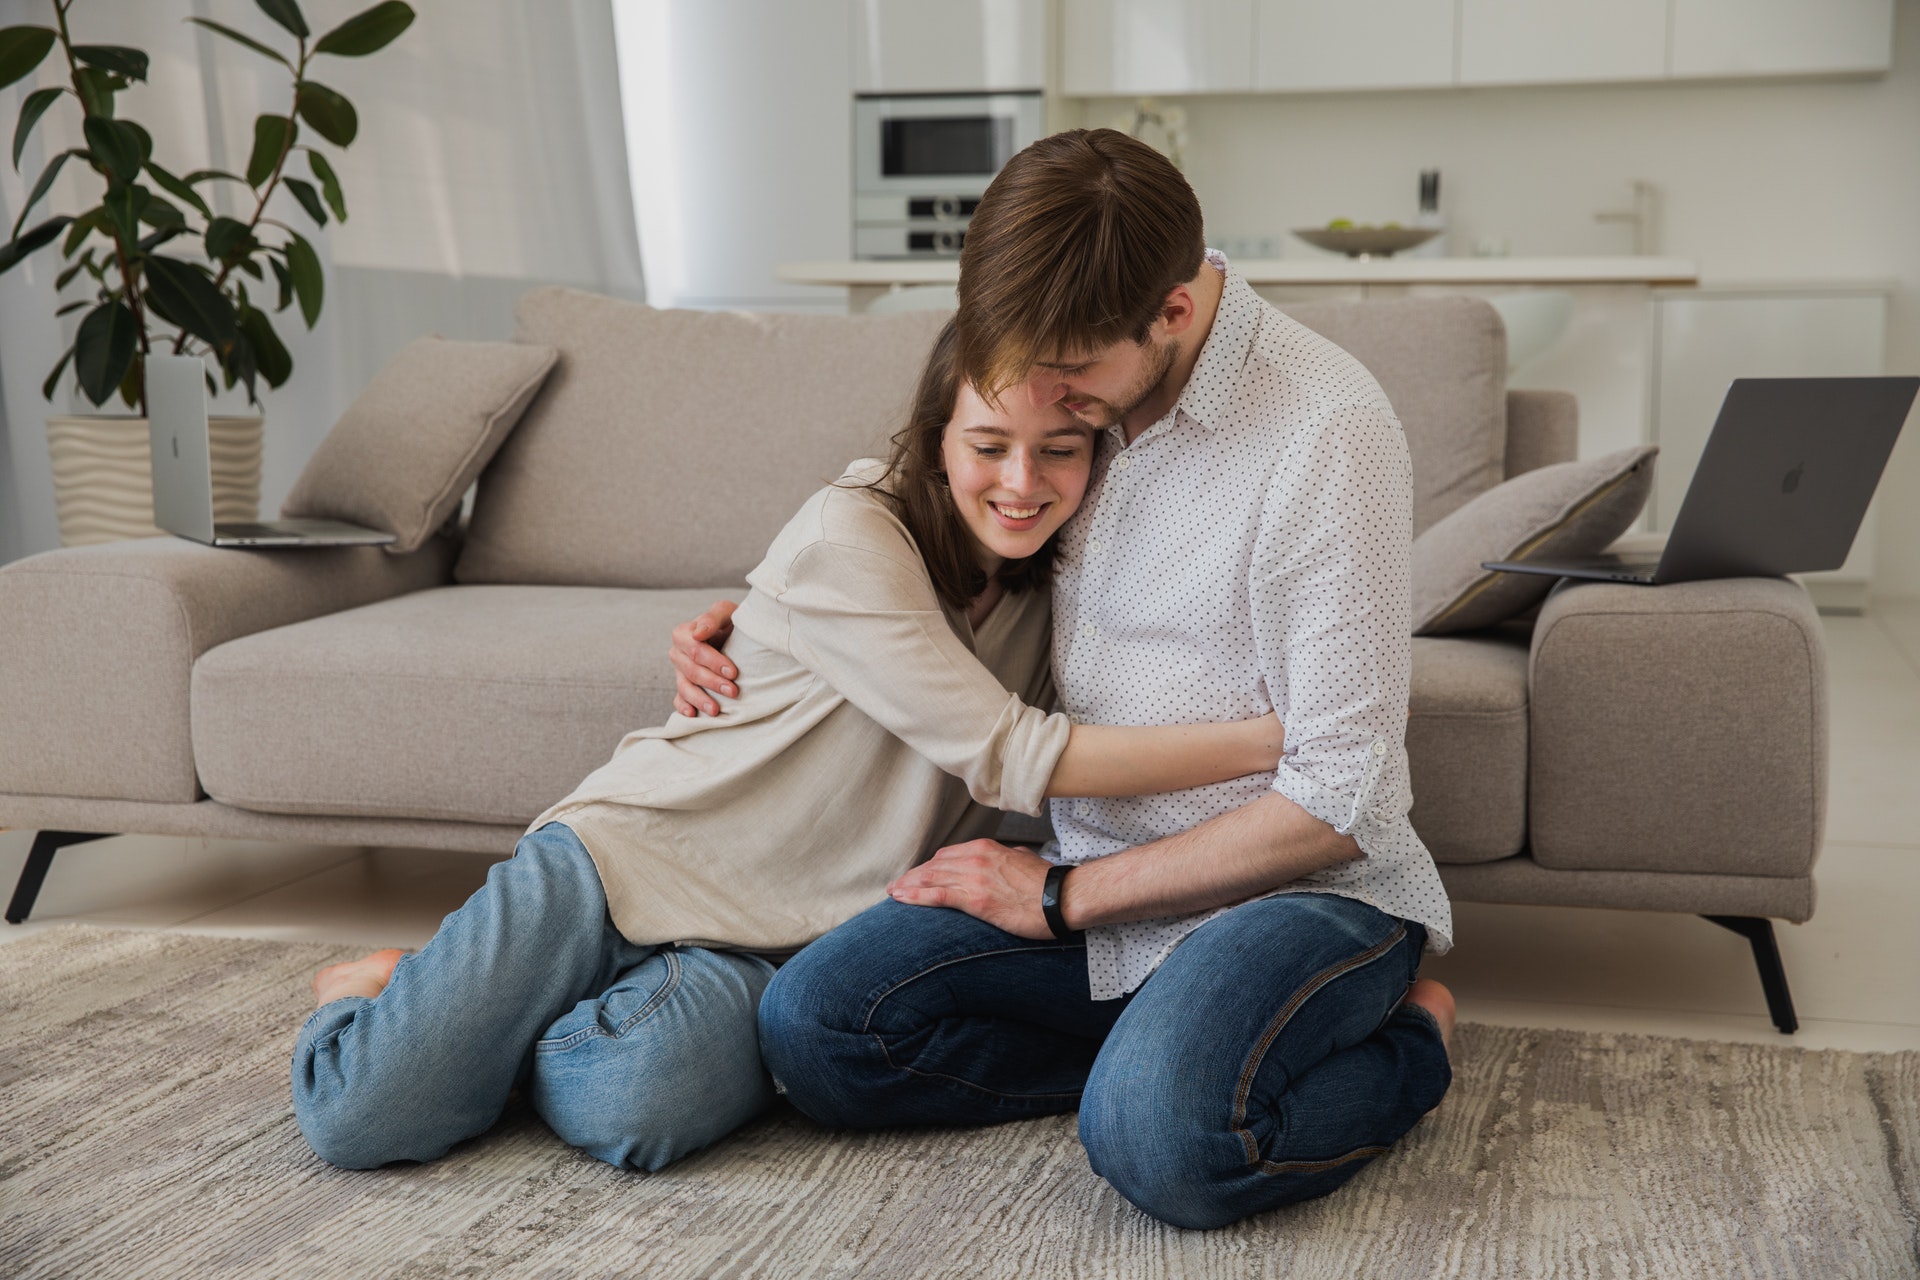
x=1644, y=216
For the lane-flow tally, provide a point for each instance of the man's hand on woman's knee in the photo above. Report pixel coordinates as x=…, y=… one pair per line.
x=700, y=669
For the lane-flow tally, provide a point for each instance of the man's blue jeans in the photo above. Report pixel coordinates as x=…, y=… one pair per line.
x=1267, y=1061
x=636, y=1054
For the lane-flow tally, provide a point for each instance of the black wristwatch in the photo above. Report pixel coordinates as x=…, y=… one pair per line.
x=1050, y=904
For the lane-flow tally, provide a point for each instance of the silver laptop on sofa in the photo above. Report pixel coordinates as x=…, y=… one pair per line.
x=183, y=471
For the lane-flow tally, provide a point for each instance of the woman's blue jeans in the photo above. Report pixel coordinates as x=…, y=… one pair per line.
x=635, y=1054
x=1267, y=1061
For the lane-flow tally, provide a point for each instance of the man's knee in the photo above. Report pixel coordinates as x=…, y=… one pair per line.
x=1160, y=1156
x=810, y=1040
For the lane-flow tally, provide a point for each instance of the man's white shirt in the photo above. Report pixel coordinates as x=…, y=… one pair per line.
x=1249, y=553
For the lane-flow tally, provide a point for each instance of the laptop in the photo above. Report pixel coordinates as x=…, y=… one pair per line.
x=1781, y=488
x=183, y=471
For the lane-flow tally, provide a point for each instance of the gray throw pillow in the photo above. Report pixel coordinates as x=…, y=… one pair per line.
x=406, y=449
x=1568, y=509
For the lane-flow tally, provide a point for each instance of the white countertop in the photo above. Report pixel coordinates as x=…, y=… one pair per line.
x=1313, y=271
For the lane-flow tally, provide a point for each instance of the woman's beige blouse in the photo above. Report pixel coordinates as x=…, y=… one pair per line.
x=873, y=727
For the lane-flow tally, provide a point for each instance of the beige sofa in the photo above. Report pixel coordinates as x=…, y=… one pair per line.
x=1649, y=748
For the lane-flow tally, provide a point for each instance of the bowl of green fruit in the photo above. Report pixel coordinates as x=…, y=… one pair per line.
x=1365, y=239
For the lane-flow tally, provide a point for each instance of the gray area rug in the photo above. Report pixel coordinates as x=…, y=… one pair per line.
x=145, y=1129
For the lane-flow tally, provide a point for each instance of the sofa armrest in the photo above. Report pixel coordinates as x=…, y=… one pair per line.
x=97, y=646
x=1678, y=728
x=1543, y=427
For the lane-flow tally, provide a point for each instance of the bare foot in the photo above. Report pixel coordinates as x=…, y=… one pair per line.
x=368, y=976
x=1438, y=1001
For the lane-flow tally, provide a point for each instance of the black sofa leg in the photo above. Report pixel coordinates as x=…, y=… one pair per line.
x=1766, y=957
x=34, y=874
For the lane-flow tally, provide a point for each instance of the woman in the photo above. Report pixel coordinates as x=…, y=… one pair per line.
x=893, y=675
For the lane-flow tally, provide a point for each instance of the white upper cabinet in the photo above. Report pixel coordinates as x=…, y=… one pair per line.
x=1775, y=37
x=1357, y=44
x=1561, y=41
x=953, y=46
x=1131, y=47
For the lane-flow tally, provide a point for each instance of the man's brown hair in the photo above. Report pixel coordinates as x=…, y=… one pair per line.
x=915, y=486
x=1074, y=247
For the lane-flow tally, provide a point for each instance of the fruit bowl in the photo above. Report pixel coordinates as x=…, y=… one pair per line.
x=1367, y=242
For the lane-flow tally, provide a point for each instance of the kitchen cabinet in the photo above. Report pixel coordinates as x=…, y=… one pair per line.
x=956, y=46
x=1128, y=48
x=1314, y=45
x=1774, y=37
x=1561, y=41
x=1703, y=339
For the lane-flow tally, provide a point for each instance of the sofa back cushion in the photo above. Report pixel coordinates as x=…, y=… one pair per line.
x=668, y=447
x=1443, y=364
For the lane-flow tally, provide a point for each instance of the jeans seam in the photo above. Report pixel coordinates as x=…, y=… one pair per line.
x=574, y=1039
x=866, y=1023
x=1244, y=1087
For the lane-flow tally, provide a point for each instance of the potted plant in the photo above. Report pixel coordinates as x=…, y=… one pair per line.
x=162, y=269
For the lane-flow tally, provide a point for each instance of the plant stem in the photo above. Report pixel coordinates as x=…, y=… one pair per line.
x=266, y=193
x=129, y=276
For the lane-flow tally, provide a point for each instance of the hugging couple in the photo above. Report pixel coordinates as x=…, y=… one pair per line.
x=1128, y=487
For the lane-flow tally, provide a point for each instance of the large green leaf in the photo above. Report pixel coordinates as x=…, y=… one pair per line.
x=103, y=349
x=96, y=89
x=22, y=48
x=190, y=300
x=272, y=135
x=209, y=175
x=53, y=379
x=178, y=189
x=117, y=58
x=309, y=199
x=243, y=39
x=123, y=206
x=368, y=31
x=287, y=14
x=162, y=213
x=226, y=236
x=45, y=184
x=115, y=146
x=269, y=354
x=309, y=285
x=30, y=112
x=20, y=246
x=329, y=184
x=331, y=115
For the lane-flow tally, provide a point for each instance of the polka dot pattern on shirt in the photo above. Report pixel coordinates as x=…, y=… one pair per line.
x=1249, y=553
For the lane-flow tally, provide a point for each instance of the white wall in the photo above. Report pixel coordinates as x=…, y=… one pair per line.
x=1762, y=181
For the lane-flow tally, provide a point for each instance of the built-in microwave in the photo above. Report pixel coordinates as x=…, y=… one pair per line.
x=922, y=161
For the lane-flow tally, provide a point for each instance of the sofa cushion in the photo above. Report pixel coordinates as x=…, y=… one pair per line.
x=477, y=704
x=669, y=447
x=1443, y=364
x=1569, y=509
x=1467, y=746
x=408, y=447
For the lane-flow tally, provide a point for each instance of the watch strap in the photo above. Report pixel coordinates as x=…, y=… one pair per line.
x=1050, y=903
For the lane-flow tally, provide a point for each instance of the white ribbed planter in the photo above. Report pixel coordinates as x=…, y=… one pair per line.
x=103, y=475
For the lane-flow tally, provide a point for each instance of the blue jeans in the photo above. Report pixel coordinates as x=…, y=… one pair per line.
x=1267, y=1061
x=635, y=1054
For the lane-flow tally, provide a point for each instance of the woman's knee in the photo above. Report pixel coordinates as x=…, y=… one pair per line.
x=351, y=1122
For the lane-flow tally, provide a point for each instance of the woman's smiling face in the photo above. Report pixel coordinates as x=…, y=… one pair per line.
x=1016, y=471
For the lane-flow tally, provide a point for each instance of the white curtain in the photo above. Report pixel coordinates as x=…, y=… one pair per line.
x=490, y=159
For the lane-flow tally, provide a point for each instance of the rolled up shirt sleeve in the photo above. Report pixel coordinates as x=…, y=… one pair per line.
x=871, y=627
x=1332, y=619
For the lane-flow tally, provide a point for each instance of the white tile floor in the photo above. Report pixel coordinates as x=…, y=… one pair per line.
x=1854, y=968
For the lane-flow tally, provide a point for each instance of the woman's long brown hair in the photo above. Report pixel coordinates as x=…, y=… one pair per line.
x=915, y=485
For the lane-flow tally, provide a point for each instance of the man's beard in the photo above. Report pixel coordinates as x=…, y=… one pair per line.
x=1110, y=413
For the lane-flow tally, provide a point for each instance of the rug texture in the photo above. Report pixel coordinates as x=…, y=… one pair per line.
x=145, y=1129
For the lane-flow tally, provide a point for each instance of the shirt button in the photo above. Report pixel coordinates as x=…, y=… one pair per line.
x=1082, y=809
x=1123, y=462
x=1379, y=748
x=1096, y=546
x=1089, y=630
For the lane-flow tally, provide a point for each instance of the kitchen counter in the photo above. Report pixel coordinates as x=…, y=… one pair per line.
x=865, y=281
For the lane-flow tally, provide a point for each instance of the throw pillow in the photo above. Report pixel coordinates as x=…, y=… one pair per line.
x=405, y=451
x=1568, y=509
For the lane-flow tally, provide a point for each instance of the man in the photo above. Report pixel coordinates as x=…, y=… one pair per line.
x=1221, y=980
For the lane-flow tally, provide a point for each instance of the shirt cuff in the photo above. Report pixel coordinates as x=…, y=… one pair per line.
x=1352, y=814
